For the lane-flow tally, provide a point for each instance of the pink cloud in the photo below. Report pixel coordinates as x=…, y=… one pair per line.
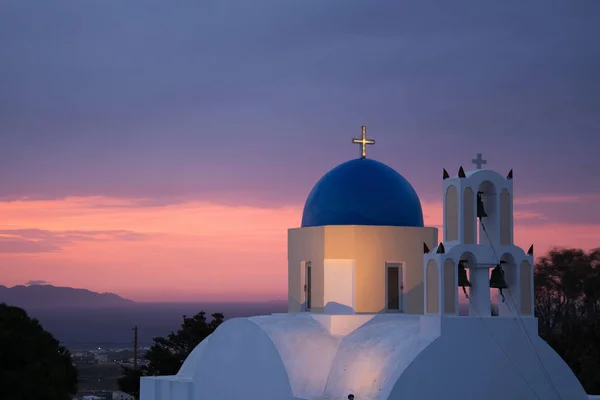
x=557, y=199
x=189, y=250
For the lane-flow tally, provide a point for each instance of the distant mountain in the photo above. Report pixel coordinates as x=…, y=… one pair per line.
x=48, y=296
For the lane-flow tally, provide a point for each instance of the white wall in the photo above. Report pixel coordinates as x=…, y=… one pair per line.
x=339, y=286
x=166, y=388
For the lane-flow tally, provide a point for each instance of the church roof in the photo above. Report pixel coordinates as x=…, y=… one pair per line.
x=304, y=356
x=363, y=192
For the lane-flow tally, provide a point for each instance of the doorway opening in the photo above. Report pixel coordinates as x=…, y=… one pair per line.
x=394, y=287
x=308, y=286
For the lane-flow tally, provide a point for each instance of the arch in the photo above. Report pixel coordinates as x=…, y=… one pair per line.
x=471, y=263
x=489, y=197
x=433, y=288
x=451, y=214
x=371, y=359
x=193, y=359
x=450, y=287
x=510, y=267
x=237, y=344
x=470, y=259
x=526, y=278
x=513, y=294
x=505, y=218
x=501, y=365
x=476, y=177
x=469, y=216
x=267, y=357
x=299, y=343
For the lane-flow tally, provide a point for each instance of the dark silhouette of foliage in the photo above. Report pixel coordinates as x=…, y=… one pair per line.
x=33, y=364
x=567, y=304
x=167, y=354
x=130, y=381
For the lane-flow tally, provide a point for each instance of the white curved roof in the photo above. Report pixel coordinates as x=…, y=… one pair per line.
x=273, y=356
x=301, y=356
x=371, y=359
x=293, y=355
x=489, y=358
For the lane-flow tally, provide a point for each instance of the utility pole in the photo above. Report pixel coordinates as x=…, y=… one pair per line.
x=135, y=347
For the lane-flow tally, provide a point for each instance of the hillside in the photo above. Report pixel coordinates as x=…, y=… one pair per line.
x=48, y=296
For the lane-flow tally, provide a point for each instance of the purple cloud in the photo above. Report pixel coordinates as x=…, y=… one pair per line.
x=19, y=241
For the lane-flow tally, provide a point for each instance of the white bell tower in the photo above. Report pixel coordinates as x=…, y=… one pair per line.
x=478, y=233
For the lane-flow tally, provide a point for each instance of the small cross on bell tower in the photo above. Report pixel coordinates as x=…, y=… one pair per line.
x=479, y=161
x=363, y=141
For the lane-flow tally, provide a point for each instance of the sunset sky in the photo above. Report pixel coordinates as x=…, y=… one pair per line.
x=160, y=150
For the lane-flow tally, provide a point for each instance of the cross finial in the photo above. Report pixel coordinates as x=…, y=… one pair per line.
x=479, y=161
x=363, y=141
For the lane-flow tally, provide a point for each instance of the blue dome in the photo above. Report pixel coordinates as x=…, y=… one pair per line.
x=363, y=192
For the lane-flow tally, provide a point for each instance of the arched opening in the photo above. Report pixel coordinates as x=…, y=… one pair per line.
x=468, y=260
x=526, y=277
x=451, y=214
x=505, y=218
x=489, y=231
x=511, y=303
x=469, y=225
x=433, y=287
x=450, y=287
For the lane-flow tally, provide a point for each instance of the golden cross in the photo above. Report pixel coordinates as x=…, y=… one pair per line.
x=363, y=141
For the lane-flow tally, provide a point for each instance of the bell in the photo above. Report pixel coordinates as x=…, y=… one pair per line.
x=463, y=281
x=480, y=209
x=497, y=279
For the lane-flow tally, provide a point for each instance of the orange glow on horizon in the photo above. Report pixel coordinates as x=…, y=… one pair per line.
x=185, y=252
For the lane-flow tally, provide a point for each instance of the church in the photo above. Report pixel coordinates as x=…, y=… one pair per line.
x=373, y=303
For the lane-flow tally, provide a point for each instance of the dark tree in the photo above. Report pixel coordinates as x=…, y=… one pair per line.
x=567, y=304
x=167, y=354
x=33, y=365
x=130, y=381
